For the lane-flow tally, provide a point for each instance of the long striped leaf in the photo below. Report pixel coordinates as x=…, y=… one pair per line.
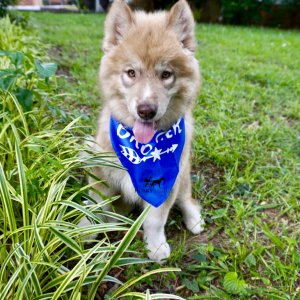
x=75, y=272
x=67, y=240
x=23, y=188
x=12, y=280
x=20, y=113
x=152, y=296
x=120, y=250
x=133, y=281
x=30, y=269
x=7, y=203
x=147, y=296
x=8, y=260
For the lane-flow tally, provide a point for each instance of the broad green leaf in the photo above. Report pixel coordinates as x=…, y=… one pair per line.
x=220, y=294
x=250, y=260
x=24, y=97
x=45, y=70
x=16, y=57
x=7, y=82
x=191, y=285
x=233, y=284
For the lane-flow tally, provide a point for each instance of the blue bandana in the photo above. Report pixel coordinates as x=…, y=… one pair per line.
x=153, y=167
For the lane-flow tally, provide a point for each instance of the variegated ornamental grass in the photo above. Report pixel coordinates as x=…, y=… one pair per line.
x=42, y=254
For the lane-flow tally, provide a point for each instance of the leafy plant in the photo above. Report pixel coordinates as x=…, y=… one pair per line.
x=20, y=79
x=243, y=12
x=3, y=6
x=42, y=253
x=233, y=284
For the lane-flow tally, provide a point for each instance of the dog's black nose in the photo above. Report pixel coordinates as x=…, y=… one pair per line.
x=147, y=111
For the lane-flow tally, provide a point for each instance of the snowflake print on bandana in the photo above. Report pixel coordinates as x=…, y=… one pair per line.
x=153, y=167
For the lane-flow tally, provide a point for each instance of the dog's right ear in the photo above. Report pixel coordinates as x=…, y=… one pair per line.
x=181, y=20
x=118, y=22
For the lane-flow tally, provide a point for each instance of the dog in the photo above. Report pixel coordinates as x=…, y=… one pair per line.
x=149, y=79
x=157, y=181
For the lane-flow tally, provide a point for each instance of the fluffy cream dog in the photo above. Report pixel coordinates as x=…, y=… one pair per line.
x=149, y=79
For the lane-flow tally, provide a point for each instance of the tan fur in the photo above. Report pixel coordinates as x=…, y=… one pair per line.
x=150, y=44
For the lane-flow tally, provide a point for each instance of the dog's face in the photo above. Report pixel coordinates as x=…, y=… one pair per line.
x=149, y=76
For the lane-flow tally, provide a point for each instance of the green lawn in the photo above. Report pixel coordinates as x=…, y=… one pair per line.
x=246, y=158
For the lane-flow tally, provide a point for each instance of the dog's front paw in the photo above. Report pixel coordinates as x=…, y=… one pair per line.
x=83, y=223
x=195, y=223
x=159, y=253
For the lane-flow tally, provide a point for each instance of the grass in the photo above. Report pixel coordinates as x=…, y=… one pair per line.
x=246, y=157
x=78, y=55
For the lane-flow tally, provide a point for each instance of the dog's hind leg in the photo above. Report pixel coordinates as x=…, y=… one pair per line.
x=191, y=214
x=98, y=199
x=190, y=207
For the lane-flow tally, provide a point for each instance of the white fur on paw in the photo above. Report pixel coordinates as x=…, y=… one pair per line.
x=160, y=253
x=195, y=223
x=83, y=223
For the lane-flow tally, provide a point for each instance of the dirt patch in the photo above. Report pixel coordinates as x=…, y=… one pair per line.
x=55, y=52
x=209, y=172
x=63, y=71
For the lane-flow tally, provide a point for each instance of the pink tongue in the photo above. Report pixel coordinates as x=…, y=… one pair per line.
x=143, y=132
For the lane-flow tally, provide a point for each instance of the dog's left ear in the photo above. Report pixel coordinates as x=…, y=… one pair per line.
x=181, y=20
x=117, y=24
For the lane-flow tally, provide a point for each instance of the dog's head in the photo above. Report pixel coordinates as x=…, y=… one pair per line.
x=149, y=75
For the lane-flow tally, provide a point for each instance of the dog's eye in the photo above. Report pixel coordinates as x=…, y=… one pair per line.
x=166, y=75
x=131, y=73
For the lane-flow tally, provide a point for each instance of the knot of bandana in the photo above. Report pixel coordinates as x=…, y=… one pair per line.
x=153, y=167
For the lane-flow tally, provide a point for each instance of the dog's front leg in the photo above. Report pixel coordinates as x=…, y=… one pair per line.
x=154, y=232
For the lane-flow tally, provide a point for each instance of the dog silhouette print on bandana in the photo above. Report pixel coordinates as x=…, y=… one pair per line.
x=153, y=167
